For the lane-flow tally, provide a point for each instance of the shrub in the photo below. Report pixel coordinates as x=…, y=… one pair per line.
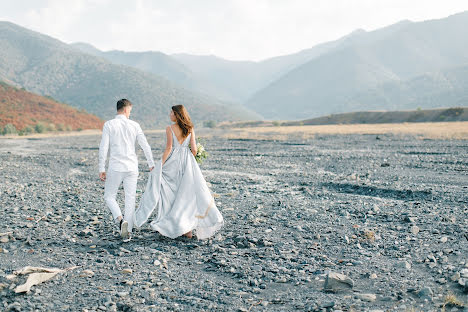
x=453, y=112
x=9, y=129
x=68, y=128
x=60, y=127
x=40, y=127
x=28, y=130
x=209, y=124
x=79, y=129
x=276, y=123
x=51, y=127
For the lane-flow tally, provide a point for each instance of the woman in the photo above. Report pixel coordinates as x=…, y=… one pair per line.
x=176, y=187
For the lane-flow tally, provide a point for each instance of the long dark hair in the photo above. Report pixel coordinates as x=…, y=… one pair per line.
x=182, y=119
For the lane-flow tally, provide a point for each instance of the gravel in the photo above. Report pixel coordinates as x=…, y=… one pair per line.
x=389, y=214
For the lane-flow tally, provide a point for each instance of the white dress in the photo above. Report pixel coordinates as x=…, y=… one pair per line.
x=178, y=192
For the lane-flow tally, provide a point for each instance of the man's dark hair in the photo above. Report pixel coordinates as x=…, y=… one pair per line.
x=123, y=103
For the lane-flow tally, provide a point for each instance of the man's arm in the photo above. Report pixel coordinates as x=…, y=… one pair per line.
x=141, y=139
x=103, y=150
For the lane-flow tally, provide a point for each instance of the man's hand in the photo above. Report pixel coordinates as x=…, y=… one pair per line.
x=151, y=169
x=102, y=176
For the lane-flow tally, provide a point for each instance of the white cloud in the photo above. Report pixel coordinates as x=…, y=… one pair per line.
x=234, y=29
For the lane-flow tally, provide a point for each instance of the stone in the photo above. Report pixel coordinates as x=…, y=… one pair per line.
x=425, y=293
x=403, y=265
x=337, y=282
x=464, y=273
x=157, y=262
x=455, y=277
x=15, y=306
x=4, y=239
x=87, y=273
x=127, y=271
x=327, y=305
x=366, y=297
x=414, y=229
x=123, y=293
x=443, y=239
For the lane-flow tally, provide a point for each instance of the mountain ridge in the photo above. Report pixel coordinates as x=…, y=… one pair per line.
x=47, y=66
x=394, y=54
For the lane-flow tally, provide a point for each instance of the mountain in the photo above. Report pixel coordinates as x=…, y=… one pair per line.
x=239, y=80
x=354, y=74
x=25, y=109
x=447, y=88
x=152, y=62
x=47, y=66
x=228, y=80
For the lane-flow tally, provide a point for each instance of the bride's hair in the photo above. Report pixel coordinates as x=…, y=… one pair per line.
x=182, y=119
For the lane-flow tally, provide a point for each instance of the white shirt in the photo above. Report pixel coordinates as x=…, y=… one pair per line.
x=120, y=135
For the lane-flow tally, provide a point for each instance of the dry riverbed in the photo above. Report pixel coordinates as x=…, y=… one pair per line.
x=386, y=210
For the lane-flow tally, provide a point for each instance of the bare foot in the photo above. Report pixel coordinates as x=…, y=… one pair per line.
x=188, y=234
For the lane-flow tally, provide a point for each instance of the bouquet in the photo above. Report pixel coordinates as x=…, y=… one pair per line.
x=202, y=154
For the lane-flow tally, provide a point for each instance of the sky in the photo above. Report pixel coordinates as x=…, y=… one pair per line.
x=231, y=29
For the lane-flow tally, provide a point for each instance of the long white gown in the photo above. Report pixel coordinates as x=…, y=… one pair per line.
x=178, y=192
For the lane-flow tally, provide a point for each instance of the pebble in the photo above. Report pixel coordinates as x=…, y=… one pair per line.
x=414, y=229
x=87, y=273
x=455, y=277
x=239, y=266
x=366, y=297
x=337, y=282
x=403, y=265
x=426, y=292
x=127, y=271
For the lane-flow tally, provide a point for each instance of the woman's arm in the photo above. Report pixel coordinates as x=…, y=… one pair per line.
x=168, y=149
x=193, y=143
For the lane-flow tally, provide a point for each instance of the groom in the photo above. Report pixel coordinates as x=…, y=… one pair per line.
x=120, y=135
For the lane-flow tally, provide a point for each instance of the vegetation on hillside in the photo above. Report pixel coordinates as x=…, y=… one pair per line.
x=22, y=112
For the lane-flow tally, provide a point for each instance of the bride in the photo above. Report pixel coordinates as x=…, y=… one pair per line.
x=176, y=187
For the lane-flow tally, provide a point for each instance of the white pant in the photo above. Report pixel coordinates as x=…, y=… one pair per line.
x=113, y=181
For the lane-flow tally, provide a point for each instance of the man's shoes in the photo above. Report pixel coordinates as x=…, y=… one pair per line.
x=129, y=238
x=123, y=229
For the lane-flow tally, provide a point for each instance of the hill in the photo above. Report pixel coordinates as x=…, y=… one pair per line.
x=354, y=74
x=47, y=66
x=24, y=109
x=376, y=117
x=366, y=117
x=228, y=80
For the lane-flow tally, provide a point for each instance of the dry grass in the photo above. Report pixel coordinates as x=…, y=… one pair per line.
x=451, y=300
x=66, y=134
x=436, y=130
x=54, y=134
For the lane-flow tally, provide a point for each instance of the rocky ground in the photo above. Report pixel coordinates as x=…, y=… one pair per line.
x=332, y=223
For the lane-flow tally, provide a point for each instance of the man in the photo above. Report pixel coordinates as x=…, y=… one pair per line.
x=120, y=134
